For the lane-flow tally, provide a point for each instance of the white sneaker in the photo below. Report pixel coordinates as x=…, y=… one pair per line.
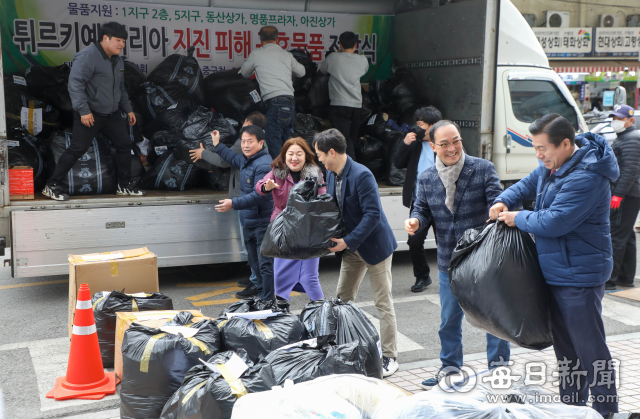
x=389, y=366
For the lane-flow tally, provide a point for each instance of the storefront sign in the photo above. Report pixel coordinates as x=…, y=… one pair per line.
x=617, y=42
x=565, y=42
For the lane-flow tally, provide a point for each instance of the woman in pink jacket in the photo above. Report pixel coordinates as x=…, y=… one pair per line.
x=296, y=162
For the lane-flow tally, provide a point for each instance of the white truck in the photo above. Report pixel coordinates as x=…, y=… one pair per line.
x=477, y=60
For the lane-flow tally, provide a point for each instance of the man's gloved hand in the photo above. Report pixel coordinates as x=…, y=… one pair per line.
x=615, y=202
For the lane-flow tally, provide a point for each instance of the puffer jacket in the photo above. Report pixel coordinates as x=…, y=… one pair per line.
x=571, y=216
x=255, y=210
x=627, y=150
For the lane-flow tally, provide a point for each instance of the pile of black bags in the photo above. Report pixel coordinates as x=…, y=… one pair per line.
x=348, y=324
x=304, y=229
x=107, y=304
x=156, y=361
x=27, y=150
x=495, y=276
x=209, y=391
x=317, y=357
x=182, y=72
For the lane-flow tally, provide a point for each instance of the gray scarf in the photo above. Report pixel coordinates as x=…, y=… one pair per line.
x=449, y=176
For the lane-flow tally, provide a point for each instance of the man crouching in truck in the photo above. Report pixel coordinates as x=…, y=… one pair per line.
x=96, y=88
x=255, y=209
x=571, y=226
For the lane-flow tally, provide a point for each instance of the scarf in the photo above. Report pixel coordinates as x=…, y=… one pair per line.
x=449, y=176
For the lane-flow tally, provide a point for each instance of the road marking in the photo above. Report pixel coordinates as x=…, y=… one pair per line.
x=34, y=284
x=622, y=312
x=214, y=293
x=215, y=302
x=206, y=284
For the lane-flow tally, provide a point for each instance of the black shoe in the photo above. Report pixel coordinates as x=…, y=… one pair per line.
x=610, y=285
x=129, y=189
x=421, y=284
x=625, y=284
x=250, y=291
x=55, y=191
x=283, y=306
x=244, y=283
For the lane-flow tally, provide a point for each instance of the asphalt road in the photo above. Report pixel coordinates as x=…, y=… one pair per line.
x=34, y=348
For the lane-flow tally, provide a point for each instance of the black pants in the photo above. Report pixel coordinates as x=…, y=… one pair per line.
x=347, y=121
x=114, y=127
x=623, y=240
x=421, y=268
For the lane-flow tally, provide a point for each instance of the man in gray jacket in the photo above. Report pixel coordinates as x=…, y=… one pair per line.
x=274, y=68
x=257, y=119
x=96, y=88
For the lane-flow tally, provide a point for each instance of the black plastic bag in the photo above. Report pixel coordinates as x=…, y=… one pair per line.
x=259, y=337
x=218, y=178
x=94, y=173
x=348, y=324
x=245, y=306
x=319, y=100
x=164, y=107
x=313, y=358
x=495, y=276
x=208, y=394
x=303, y=84
x=40, y=77
x=306, y=127
x=171, y=174
x=238, y=102
x=370, y=152
x=218, y=82
x=26, y=150
x=395, y=176
x=17, y=98
x=304, y=229
x=106, y=304
x=59, y=97
x=396, y=94
x=182, y=71
x=155, y=361
x=162, y=142
x=134, y=78
x=201, y=123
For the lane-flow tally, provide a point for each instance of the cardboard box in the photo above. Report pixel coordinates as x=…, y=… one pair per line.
x=21, y=182
x=146, y=318
x=134, y=270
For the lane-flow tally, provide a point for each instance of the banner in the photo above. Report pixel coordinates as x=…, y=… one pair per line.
x=50, y=32
x=565, y=42
x=617, y=42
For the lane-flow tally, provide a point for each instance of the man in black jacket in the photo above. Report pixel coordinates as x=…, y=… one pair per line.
x=625, y=198
x=417, y=156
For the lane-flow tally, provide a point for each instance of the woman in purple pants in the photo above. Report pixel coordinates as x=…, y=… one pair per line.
x=296, y=162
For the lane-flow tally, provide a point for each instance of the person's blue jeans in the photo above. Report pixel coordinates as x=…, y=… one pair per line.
x=579, y=336
x=450, y=332
x=261, y=265
x=252, y=278
x=281, y=113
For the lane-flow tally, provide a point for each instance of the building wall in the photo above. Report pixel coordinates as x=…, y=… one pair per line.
x=582, y=14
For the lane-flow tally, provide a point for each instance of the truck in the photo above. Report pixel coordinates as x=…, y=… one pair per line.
x=478, y=61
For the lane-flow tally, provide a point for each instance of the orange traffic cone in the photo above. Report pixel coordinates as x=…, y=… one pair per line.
x=85, y=377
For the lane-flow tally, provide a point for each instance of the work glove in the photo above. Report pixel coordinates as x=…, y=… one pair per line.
x=615, y=202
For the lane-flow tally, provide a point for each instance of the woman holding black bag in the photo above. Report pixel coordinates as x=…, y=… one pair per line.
x=296, y=162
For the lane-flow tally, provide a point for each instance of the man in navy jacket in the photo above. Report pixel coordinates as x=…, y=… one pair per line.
x=369, y=244
x=255, y=210
x=571, y=227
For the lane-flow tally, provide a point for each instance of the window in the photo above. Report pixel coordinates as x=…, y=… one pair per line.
x=532, y=99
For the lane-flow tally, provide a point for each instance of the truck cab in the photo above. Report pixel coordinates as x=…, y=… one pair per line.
x=476, y=60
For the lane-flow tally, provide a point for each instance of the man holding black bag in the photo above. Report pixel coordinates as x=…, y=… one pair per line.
x=571, y=227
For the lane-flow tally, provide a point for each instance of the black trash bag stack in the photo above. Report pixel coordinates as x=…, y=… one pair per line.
x=164, y=107
x=134, y=78
x=397, y=94
x=304, y=229
x=240, y=101
x=218, y=82
x=208, y=394
x=182, y=71
x=306, y=127
x=50, y=84
x=218, y=178
x=171, y=174
x=319, y=100
x=259, y=337
x=199, y=126
x=27, y=150
x=317, y=357
x=155, y=362
x=106, y=304
x=93, y=173
x=245, y=306
x=303, y=84
x=348, y=324
x=162, y=141
x=495, y=276
x=371, y=153
x=17, y=97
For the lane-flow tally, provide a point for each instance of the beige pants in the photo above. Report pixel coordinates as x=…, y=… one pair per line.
x=352, y=273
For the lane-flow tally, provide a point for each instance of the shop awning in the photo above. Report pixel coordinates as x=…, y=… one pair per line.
x=593, y=66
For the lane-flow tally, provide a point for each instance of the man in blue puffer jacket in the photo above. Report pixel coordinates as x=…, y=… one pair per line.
x=570, y=223
x=255, y=210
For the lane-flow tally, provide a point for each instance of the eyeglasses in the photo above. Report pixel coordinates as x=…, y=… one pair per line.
x=446, y=146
